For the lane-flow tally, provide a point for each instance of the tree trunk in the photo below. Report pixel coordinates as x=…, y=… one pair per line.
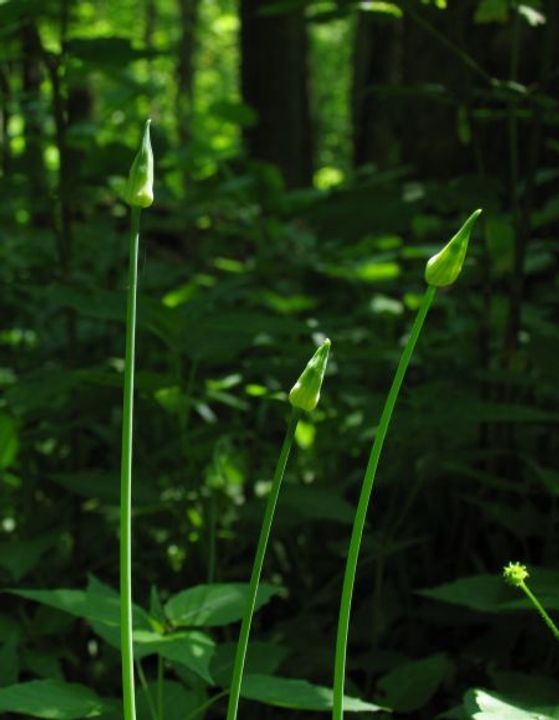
x=188, y=12
x=376, y=61
x=274, y=83
x=5, y=99
x=35, y=169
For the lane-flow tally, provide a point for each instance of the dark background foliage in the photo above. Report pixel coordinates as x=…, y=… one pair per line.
x=310, y=156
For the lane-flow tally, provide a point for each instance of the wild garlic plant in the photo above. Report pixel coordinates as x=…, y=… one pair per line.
x=304, y=397
x=441, y=270
x=516, y=575
x=139, y=195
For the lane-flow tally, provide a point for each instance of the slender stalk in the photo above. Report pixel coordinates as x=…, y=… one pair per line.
x=206, y=705
x=127, y=649
x=451, y=46
x=240, y=656
x=540, y=608
x=160, y=695
x=361, y=513
x=144, y=684
x=516, y=574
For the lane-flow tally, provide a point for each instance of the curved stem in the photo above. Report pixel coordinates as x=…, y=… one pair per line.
x=127, y=649
x=540, y=608
x=144, y=684
x=206, y=705
x=242, y=646
x=362, y=507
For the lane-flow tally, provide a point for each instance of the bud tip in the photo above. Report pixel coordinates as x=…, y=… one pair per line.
x=445, y=267
x=305, y=394
x=139, y=189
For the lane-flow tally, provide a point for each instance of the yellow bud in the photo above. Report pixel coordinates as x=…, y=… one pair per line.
x=139, y=189
x=305, y=394
x=444, y=267
x=515, y=574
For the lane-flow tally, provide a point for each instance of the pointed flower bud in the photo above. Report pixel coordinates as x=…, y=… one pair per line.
x=305, y=394
x=139, y=189
x=515, y=574
x=444, y=267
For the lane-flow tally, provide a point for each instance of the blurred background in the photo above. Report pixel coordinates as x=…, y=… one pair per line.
x=310, y=156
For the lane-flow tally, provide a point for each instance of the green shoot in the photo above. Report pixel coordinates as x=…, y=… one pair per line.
x=516, y=575
x=303, y=397
x=444, y=269
x=138, y=196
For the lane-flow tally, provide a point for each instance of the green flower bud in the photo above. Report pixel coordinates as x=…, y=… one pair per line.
x=139, y=189
x=515, y=574
x=305, y=394
x=444, y=267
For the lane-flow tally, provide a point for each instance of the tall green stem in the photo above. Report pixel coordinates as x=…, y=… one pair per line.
x=361, y=514
x=242, y=645
x=127, y=649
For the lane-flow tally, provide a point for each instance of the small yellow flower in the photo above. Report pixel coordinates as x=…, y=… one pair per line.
x=515, y=574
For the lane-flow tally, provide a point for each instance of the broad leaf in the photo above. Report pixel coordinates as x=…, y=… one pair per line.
x=262, y=658
x=178, y=703
x=193, y=649
x=489, y=593
x=482, y=705
x=214, y=605
x=99, y=603
x=18, y=557
x=9, y=442
x=297, y=694
x=411, y=685
x=52, y=699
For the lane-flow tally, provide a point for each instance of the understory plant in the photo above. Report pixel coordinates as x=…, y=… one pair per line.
x=139, y=195
x=442, y=270
x=304, y=397
x=516, y=575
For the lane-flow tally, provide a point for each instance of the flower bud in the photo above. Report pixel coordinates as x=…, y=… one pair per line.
x=515, y=574
x=444, y=267
x=139, y=189
x=305, y=394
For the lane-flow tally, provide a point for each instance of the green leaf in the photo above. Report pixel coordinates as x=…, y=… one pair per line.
x=44, y=664
x=178, y=703
x=410, y=686
x=192, y=649
x=235, y=112
x=9, y=661
x=311, y=503
x=489, y=593
x=20, y=556
x=532, y=16
x=99, y=603
x=108, y=50
x=214, y=605
x=9, y=443
x=526, y=689
x=376, y=6
x=297, y=694
x=500, y=242
x=262, y=657
x=52, y=699
x=482, y=705
x=105, y=487
x=492, y=11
